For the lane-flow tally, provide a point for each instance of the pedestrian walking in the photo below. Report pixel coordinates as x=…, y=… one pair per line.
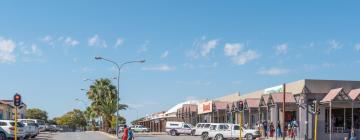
x=130, y=134
x=272, y=129
x=265, y=125
x=278, y=130
x=125, y=134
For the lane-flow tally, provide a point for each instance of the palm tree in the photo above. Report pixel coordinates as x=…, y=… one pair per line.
x=103, y=95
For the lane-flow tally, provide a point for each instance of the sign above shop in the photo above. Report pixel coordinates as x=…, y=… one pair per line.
x=205, y=107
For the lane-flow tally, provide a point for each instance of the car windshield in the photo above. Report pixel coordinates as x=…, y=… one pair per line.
x=18, y=124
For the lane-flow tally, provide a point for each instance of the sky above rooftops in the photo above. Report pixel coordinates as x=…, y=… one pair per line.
x=194, y=49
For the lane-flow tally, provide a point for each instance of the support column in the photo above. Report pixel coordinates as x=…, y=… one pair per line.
x=330, y=122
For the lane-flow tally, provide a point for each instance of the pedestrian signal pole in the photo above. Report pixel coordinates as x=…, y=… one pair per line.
x=17, y=103
x=241, y=108
x=316, y=106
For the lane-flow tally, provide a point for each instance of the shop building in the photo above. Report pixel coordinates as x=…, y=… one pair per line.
x=5, y=111
x=188, y=114
x=212, y=111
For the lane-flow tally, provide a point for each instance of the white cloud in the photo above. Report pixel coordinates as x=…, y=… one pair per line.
x=203, y=47
x=96, y=41
x=163, y=68
x=334, y=45
x=273, y=71
x=48, y=40
x=164, y=54
x=233, y=49
x=357, y=47
x=238, y=54
x=71, y=42
x=245, y=57
x=281, y=49
x=7, y=47
x=31, y=50
x=144, y=47
x=208, y=46
x=119, y=42
x=212, y=65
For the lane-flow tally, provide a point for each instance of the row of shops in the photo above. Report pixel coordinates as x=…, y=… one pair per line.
x=339, y=108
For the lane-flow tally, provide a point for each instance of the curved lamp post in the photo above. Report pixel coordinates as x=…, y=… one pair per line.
x=118, y=85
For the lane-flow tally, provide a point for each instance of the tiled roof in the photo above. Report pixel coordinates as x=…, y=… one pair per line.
x=278, y=97
x=252, y=102
x=336, y=94
x=220, y=105
x=354, y=94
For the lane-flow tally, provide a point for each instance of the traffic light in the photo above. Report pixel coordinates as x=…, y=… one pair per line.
x=312, y=107
x=17, y=100
x=241, y=105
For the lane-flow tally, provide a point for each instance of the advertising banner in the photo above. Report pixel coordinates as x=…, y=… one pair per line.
x=205, y=107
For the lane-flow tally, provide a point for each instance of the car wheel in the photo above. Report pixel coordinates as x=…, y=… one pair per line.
x=205, y=136
x=173, y=132
x=219, y=137
x=2, y=136
x=249, y=137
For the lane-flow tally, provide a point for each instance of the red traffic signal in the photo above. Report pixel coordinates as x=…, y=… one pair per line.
x=17, y=99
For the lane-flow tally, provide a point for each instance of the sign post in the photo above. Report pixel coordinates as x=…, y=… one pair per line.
x=17, y=103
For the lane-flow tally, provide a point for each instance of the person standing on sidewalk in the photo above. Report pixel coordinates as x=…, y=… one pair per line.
x=131, y=134
x=125, y=134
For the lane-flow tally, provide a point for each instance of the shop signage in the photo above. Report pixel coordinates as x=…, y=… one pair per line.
x=205, y=107
x=275, y=89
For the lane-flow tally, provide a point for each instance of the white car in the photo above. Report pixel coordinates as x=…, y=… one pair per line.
x=139, y=128
x=40, y=123
x=8, y=128
x=201, y=129
x=31, y=130
x=177, y=128
x=221, y=131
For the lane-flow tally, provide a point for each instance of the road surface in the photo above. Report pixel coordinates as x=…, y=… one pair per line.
x=101, y=136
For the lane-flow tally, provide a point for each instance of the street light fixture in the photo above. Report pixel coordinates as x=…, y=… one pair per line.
x=118, y=85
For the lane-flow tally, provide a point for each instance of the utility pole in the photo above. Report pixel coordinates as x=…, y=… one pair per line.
x=283, y=108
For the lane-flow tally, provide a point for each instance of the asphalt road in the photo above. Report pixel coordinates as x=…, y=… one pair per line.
x=100, y=136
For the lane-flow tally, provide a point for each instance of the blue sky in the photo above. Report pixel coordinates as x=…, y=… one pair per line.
x=194, y=49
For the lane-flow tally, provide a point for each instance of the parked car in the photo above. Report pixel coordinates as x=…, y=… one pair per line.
x=2, y=134
x=8, y=128
x=31, y=130
x=40, y=123
x=201, y=129
x=121, y=127
x=177, y=128
x=139, y=128
x=222, y=131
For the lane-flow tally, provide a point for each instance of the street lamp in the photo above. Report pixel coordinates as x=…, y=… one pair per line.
x=118, y=85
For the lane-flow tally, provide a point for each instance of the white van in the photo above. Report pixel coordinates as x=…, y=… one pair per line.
x=177, y=128
x=40, y=123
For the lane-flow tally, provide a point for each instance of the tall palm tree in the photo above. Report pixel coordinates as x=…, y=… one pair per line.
x=103, y=95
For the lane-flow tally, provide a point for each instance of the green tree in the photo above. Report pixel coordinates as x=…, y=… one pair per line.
x=103, y=96
x=36, y=113
x=121, y=120
x=74, y=119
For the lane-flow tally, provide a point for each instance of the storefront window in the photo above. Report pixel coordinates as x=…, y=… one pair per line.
x=341, y=120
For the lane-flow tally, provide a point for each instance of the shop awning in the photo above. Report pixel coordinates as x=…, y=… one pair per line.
x=252, y=102
x=278, y=97
x=337, y=94
x=354, y=94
